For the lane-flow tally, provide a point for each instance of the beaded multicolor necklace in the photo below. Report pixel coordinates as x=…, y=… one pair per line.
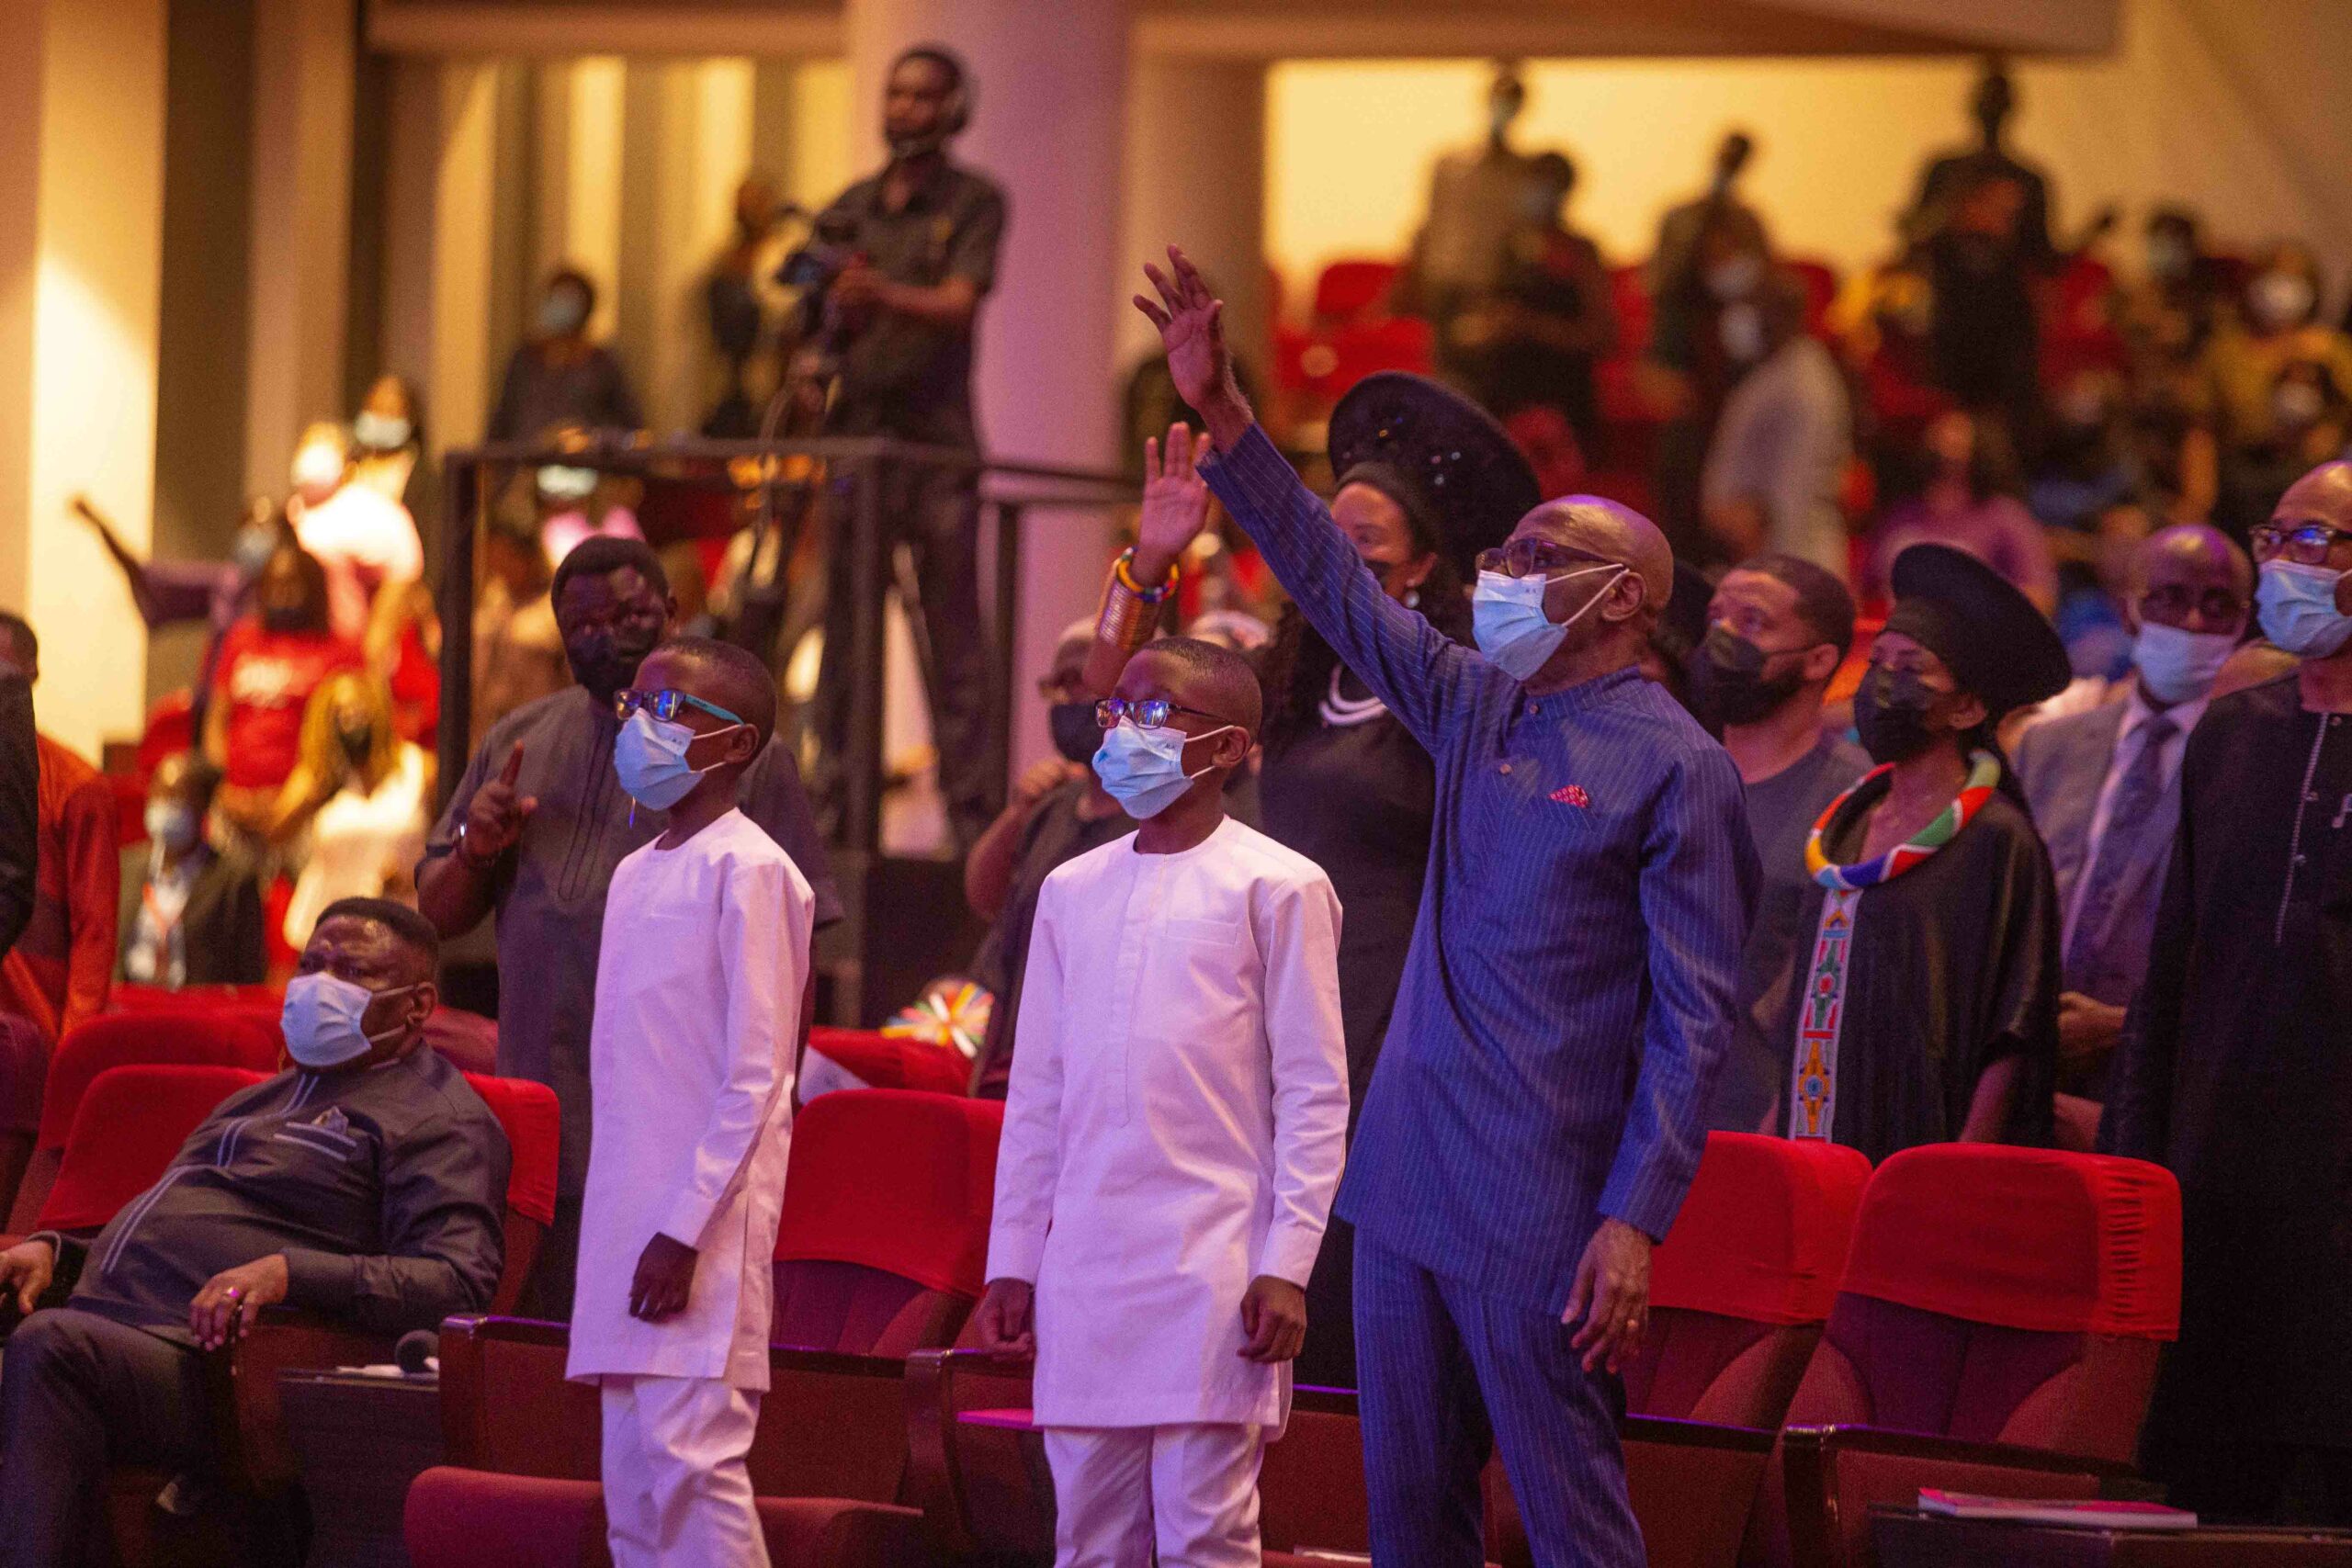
x=1821, y=1018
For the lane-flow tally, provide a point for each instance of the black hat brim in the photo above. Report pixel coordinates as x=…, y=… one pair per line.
x=1467, y=474
x=1990, y=637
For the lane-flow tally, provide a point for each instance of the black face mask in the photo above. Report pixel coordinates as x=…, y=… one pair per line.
x=1891, y=710
x=1728, y=680
x=356, y=743
x=1076, y=735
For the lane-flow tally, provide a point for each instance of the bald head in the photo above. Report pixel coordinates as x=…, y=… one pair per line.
x=2323, y=495
x=2191, y=563
x=1613, y=532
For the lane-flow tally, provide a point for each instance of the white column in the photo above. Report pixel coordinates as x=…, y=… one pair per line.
x=300, y=225
x=579, y=177
x=1049, y=124
x=80, y=257
x=1212, y=201
x=440, y=226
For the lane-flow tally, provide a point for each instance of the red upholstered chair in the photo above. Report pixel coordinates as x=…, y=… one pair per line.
x=225, y=1038
x=527, y=1112
x=885, y=1230
x=131, y=1121
x=472, y=1518
x=889, y=1061
x=1744, y=1282
x=1998, y=1331
x=1356, y=289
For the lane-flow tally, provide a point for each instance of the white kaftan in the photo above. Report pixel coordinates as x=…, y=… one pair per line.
x=705, y=955
x=1176, y=1124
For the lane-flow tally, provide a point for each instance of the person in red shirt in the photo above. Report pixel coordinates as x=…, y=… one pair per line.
x=61, y=968
x=270, y=663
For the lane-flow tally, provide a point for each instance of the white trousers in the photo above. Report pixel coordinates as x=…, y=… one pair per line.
x=1191, y=1491
x=676, y=1494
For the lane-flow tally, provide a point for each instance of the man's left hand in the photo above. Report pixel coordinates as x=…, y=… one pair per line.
x=233, y=1299
x=666, y=1277
x=1274, y=1314
x=1612, y=1295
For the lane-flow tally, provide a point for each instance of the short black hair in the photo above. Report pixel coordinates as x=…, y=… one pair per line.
x=604, y=554
x=409, y=928
x=939, y=54
x=1824, y=603
x=748, y=688
x=1233, y=694
x=19, y=631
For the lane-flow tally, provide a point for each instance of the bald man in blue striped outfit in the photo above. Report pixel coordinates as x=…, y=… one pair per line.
x=1537, y=1111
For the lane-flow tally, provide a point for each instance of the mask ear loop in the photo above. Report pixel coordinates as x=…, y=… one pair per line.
x=1599, y=594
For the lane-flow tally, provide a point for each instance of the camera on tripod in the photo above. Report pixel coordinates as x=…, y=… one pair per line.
x=827, y=253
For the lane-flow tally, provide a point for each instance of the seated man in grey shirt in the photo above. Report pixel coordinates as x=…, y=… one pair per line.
x=534, y=831
x=366, y=1182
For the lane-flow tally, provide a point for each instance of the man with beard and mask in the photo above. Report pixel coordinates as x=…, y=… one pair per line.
x=1059, y=810
x=1539, y=1107
x=1776, y=463
x=923, y=234
x=1926, y=1010
x=2234, y=1070
x=2104, y=785
x=1778, y=629
x=534, y=831
x=562, y=376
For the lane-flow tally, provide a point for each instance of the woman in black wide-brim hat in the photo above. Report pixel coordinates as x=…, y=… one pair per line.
x=1426, y=481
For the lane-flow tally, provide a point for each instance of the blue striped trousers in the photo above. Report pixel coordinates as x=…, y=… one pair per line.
x=1447, y=1375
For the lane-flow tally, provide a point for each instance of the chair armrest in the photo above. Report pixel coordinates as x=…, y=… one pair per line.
x=242, y=1378
x=941, y=1386
x=1820, y=1533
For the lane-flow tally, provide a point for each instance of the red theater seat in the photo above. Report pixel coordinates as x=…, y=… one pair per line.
x=1998, y=1331
x=132, y=1122
x=470, y=1518
x=1744, y=1282
x=527, y=1112
x=1355, y=290
x=891, y=1060
x=213, y=1037
x=884, y=1229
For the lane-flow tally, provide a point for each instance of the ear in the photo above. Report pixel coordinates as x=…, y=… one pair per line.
x=742, y=745
x=1821, y=662
x=1417, y=572
x=1967, y=713
x=423, y=1001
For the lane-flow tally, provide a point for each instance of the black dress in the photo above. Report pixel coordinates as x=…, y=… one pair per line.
x=1954, y=966
x=1354, y=793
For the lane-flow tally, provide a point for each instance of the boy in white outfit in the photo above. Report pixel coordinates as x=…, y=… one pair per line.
x=1172, y=1138
x=698, y=991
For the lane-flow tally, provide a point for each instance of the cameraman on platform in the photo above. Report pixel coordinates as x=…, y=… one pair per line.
x=922, y=255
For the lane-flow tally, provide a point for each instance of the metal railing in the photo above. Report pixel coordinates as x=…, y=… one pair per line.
x=813, y=474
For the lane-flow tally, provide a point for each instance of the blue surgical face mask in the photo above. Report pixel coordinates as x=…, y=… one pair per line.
x=562, y=312
x=379, y=432
x=172, y=826
x=649, y=754
x=1508, y=619
x=2179, y=666
x=2299, y=612
x=324, y=1020
x=1143, y=770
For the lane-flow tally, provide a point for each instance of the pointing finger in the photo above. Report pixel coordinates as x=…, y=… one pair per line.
x=514, y=766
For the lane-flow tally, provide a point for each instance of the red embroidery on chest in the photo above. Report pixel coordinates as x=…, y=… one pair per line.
x=1572, y=795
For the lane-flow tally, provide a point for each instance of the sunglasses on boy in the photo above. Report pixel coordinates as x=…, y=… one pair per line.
x=664, y=705
x=1149, y=713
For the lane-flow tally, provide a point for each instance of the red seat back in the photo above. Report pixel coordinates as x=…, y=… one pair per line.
x=1999, y=1295
x=131, y=1124
x=884, y=1237
x=1353, y=289
x=891, y=1060
x=527, y=1112
x=1742, y=1282
x=178, y=1037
